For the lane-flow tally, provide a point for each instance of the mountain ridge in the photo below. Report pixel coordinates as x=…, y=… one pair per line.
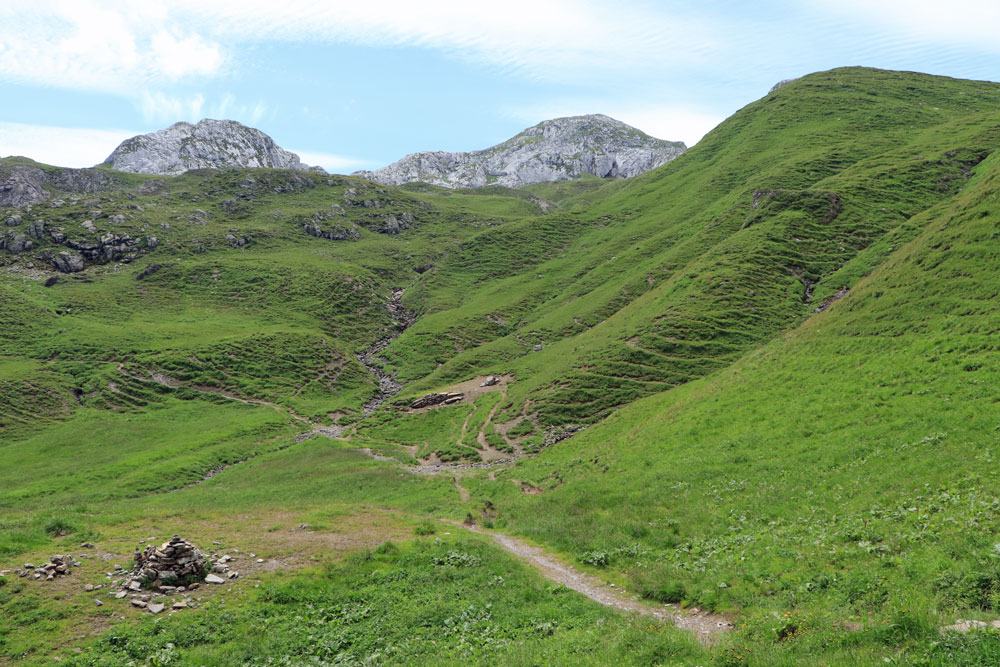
x=554, y=150
x=209, y=143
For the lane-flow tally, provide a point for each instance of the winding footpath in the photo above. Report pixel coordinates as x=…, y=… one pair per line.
x=706, y=626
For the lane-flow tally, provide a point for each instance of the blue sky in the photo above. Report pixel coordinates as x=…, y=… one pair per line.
x=352, y=85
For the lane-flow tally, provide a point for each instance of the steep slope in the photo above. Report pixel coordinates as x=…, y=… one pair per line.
x=841, y=476
x=780, y=344
x=554, y=150
x=678, y=272
x=209, y=143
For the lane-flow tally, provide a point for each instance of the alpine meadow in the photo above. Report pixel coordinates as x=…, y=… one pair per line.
x=583, y=398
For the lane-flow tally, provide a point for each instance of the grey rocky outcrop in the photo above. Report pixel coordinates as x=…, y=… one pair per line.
x=207, y=144
x=554, y=150
x=68, y=262
x=21, y=185
x=781, y=84
x=441, y=398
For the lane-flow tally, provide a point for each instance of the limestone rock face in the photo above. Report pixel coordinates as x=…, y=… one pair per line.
x=21, y=185
x=208, y=144
x=554, y=150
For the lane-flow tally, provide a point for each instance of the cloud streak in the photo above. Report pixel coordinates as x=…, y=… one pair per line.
x=61, y=146
x=337, y=164
x=113, y=45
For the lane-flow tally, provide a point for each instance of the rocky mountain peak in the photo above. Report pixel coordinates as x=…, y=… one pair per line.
x=553, y=150
x=208, y=143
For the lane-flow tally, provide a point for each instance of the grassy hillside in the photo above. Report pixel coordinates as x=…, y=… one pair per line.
x=840, y=473
x=756, y=381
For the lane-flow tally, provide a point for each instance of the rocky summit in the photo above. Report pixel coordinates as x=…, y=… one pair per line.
x=554, y=150
x=208, y=144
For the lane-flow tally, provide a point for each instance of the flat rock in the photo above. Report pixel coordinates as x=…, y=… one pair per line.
x=966, y=625
x=156, y=607
x=214, y=579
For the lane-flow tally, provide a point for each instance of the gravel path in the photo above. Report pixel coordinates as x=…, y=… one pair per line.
x=706, y=626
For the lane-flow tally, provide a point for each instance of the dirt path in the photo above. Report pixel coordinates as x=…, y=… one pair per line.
x=462, y=492
x=706, y=626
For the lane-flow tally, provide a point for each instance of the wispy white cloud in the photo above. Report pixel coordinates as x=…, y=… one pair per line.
x=964, y=22
x=114, y=45
x=62, y=146
x=159, y=107
x=91, y=45
x=337, y=164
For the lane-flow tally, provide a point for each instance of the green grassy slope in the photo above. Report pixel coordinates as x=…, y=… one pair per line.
x=781, y=344
x=842, y=473
x=679, y=271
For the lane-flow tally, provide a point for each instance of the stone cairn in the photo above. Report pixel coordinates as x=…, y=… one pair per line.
x=168, y=566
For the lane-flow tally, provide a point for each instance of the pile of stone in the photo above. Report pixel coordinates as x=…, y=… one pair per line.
x=168, y=566
x=57, y=566
x=443, y=398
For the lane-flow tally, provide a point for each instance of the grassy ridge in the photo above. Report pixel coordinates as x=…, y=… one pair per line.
x=857, y=486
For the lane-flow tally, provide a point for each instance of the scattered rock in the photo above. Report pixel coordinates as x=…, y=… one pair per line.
x=141, y=604
x=57, y=565
x=214, y=579
x=156, y=607
x=491, y=381
x=442, y=398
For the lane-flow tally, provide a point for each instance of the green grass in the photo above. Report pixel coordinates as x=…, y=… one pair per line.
x=781, y=344
x=431, y=601
x=857, y=486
